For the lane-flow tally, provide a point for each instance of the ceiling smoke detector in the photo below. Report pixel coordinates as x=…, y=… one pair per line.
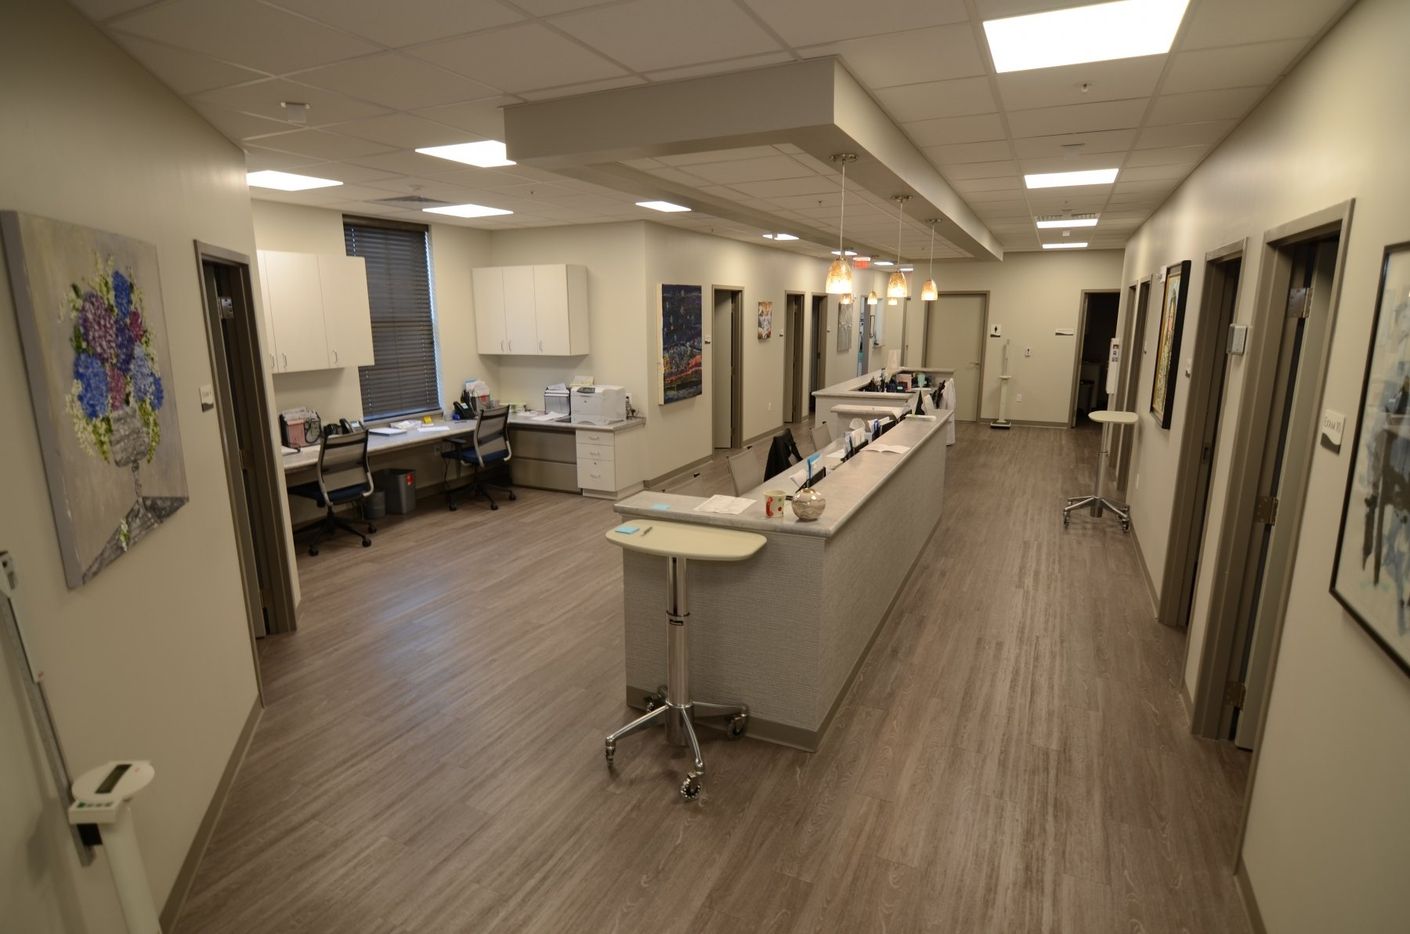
x=295, y=112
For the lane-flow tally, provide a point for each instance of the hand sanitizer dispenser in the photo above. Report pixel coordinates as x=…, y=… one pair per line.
x=103, y=816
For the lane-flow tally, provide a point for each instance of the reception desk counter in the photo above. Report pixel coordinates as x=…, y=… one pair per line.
x=787, y=630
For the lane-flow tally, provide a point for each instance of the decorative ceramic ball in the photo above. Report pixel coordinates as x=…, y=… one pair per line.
x=808, y=504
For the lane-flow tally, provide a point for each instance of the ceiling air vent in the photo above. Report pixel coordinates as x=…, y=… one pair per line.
x=411, y=201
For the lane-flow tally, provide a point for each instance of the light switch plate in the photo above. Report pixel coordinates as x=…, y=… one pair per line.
x=1333, y=425
x=995, y=331
x=207, y=398
x=1238, y=339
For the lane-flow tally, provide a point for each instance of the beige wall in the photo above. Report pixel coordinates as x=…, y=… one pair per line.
x=152, y=658
x=1329, y=826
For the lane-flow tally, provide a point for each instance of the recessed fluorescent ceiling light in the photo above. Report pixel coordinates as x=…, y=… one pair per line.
x=1068, y=222
x=663, y=206
x=1099, y=33
x=467, y=210
x=840, y=253
x=487, y=153
x=1065, y=246
x=287, y=181
x=908, y=269
x=779, y=236
x=1064, y=179
x=883, y=262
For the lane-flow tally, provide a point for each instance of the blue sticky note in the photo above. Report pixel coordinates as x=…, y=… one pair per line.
x=627, y=529
x=661, y=506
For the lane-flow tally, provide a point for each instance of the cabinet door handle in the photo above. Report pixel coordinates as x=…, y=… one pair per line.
x=510, y=345
x=335, y=356
x=286, y=360
x=540, y=346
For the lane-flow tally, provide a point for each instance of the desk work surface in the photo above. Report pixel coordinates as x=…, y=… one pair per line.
x=682, y=540
x=847, y=486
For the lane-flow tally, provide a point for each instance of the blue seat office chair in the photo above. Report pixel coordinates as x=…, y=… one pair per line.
x=489, y=445
x=343, y=477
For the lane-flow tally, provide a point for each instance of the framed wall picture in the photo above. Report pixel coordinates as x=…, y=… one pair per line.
x=1167, y=348
x=1371, y=570
x=766, y=320
x=844, y=327
x=681, y=342
x=89, y=306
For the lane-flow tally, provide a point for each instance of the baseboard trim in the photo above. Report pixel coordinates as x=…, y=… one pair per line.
x=1245, y=886
x=1025, y=423
x=1151, y=593
x=1186, y=699
x=176, y=898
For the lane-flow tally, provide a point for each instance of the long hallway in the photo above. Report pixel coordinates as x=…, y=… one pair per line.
x=1013, y=756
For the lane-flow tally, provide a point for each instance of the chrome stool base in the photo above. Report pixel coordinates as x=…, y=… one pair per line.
x=671, y=705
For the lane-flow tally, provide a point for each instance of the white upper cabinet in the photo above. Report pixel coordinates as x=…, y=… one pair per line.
x=531, y=310
x=315, y=310
x=346, y=313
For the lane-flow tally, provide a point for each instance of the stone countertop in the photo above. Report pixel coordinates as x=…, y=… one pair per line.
x=847, y=487
x=519, y=420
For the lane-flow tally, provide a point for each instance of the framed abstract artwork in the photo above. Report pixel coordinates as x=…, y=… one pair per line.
x=1167, y=348
x=1371, y=570
x=844, y=327
x=681, y=342
x=766, y=320
x=90, y=316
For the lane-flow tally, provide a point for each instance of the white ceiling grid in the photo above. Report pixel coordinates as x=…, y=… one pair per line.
x=385, y=78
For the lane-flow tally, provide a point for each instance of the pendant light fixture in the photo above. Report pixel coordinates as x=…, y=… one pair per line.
x=896, y=286
x=928, y=291
x=872, y=298
x=839, y=274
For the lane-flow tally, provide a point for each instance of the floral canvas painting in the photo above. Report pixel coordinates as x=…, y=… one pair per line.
x=681, y=342
x=90, y=315
x=1371, y=570
x=1167, y=348
x=766, y=320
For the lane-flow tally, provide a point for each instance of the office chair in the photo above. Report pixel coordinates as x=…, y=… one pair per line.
x=822, y=436
x=746, y=469
x=488, y=446
x=343, y=477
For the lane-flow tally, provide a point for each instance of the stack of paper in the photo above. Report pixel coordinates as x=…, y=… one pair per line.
x=880, y=448
x=387, y=431
x=725, y=505
x=430, y=428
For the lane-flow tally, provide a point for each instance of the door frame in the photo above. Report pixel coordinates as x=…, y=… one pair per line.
x=1133, y=330
x=934, y=307
x=795, y=313
x=270, y=547
x=817, y=375
x=1210, y=352
x=1077, y=349
x=736, y=381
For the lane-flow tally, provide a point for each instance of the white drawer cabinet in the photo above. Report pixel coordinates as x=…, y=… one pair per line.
x=531, y=310
x=347, y=317
x=316, y=311
x=609, y=462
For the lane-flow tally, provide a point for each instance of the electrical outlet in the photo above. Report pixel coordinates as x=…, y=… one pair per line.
x=1018, y=398
x=1138, y=481
x=771, y=406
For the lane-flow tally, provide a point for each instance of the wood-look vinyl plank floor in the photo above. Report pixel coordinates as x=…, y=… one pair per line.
x=1013, y=755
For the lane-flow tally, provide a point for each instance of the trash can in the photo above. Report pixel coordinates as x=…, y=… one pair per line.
x=374, y=506
x=399, y=485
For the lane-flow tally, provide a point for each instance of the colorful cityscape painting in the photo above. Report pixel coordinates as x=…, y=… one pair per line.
x=681, y=338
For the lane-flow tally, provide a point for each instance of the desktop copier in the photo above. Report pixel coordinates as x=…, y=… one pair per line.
x=599, y=405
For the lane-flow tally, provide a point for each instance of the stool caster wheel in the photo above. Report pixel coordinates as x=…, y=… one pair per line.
x=367, y=543
x=512, y=497
x=652, y=701
x=737, y=725
x=371, y=529
x=313, y=551
x=690, y=788
x=1125, y=525
x=1066, y=518
x=494, y=506
x=609, y=751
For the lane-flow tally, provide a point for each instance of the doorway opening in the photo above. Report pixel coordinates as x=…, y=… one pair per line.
x=864, y=313
x=819, y=370
x=1095, y=332
x=726, y=367
x=253, y=475
x=794, y=358
x=1133, y=339
x=954, y=340
x=913, y=336
x=1195, y=466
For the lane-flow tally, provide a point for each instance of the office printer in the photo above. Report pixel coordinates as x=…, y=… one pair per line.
x=599, y=405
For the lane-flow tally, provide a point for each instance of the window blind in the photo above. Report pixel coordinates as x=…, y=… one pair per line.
x=403, y=379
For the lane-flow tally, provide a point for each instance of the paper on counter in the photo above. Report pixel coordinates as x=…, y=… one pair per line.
x=433, y=428
x=725, y=505
x=386, y=431
x=880, y=448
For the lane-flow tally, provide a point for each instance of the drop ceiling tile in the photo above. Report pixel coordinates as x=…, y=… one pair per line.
x=783, y=187
x=677, y=176
x=1074, y=144
x=714, y=68
x=587, y=87
x=930, y=99
x=184, y=72
x=935, y=54
x=719, y=155
x=322, y=144
x=397, y=81
x=402, y=131
x=1078, y=163
x=1243, y=66
x=647, y=35
x=1226, y=104
x=263, y=98
x=405, y=23
x=981, y=170
x=243, y=32
x=239, y=126
x=1106, y=81
x=826, y=202
x=257, y=159
x=810, y=22
x=945, y=130
x=750, y=170
x=1011, y=207
x=1008, y=193
x=1143, y=173
x=1000, y=183
x=100, y=10
x=1184, y=134
x=1214, y=24
x=970, y=152
x=1077, y=118
x=483, y=118
x=519, y=58
x=348, y=173
x=1147, y=186
x=1169, y=155
x=402, y=162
